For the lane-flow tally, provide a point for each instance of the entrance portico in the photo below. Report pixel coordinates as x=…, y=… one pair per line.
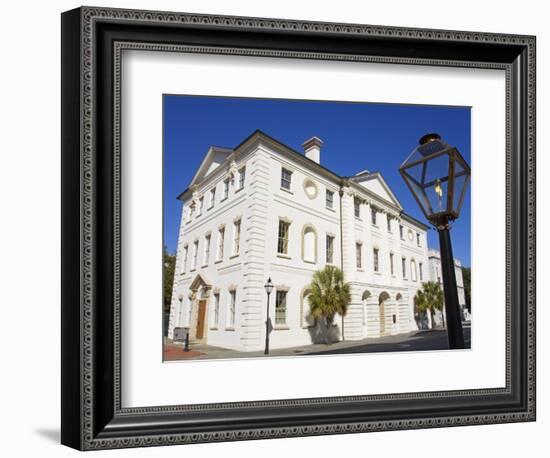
x=200, y=297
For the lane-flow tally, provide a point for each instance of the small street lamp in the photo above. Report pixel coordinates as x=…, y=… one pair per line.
x=268, y=288
x=438, y=176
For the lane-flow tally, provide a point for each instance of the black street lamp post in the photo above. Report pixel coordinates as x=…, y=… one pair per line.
x=268, y=288
x=438, y=176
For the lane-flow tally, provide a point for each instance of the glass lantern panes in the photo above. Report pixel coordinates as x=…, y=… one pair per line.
x=438, y=176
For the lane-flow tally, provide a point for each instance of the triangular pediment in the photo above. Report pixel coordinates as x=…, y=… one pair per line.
x=375, y=183
x=198, y=282
x=215, y=157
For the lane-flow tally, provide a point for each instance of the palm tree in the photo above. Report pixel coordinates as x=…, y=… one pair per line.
x=329, y=295
x=429, y=299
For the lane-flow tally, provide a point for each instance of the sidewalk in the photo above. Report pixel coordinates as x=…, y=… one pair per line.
x=412, y=341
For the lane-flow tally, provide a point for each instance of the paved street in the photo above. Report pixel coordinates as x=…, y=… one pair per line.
x=417, y=341
x=414, y=341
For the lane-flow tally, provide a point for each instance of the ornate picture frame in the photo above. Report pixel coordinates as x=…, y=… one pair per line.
x=92, y=413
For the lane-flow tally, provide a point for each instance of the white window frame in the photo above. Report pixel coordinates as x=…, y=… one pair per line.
x=212, y=198
x=329, y=248
x=286, y=183
x=221, y=243
x=359, y=255
x=232, y=308
x=329, y=202
x=189, y=311
x=206, y=251
x=194, y=260
x=278, y=321
x=226, y=185
x=185, y=258
x=392, y=271
x=420, y=274
x=376, y=259
x=216, y=314
x=242, y=177
x=389, y=224
x=404, y=267
x=356, y=208
x=201, y=205
x=285, y=241
x=236, y=237
x=413, y=270
x=373, y=216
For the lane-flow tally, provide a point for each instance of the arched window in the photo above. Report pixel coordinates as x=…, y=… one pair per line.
x=413, y=270
x=309, y=244
x=383, y=297
x=398, y=297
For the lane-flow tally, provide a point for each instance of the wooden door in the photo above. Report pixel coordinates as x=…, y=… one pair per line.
x=200, y=319
x=382, y=319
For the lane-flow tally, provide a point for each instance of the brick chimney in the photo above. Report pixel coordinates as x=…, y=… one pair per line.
x=312, y=149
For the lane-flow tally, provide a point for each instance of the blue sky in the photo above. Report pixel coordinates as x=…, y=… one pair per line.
x=356, y=136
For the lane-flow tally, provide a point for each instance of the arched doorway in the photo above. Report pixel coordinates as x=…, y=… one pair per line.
x=365, y=297
x=400, y=313
x=382, y=298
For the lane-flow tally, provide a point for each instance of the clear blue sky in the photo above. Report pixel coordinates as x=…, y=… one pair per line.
x=356, y=136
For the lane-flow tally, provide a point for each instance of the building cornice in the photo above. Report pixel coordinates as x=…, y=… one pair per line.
x=412, y=220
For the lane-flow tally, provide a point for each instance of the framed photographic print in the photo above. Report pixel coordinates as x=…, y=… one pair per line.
x=279, y=228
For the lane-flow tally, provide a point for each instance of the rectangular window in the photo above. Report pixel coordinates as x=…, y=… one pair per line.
x=418, y=239
x=413, y=270
x=404, y=267
x=232, y=305
x=185, y=256
x=221, y=241
x=330, y=249
x=329, y=199
x=212, y=197
x=389, y=223
x=242, y=175
x=359, y=255
x=356, y=208
x=191, y=212
x=201, y=204
x=282, y=242
x=280, y=308
x=236, y=236
x=189, y=312
x=401, y=234
x=206, y=259
x=375, y=260
x=286, y=179
x=391, y=263
x=420, y=271
x=226, y=188
x=195, y=254
x=216, y=309
x=373, y=215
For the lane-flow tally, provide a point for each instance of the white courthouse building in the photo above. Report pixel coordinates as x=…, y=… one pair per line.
x=263, y=210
